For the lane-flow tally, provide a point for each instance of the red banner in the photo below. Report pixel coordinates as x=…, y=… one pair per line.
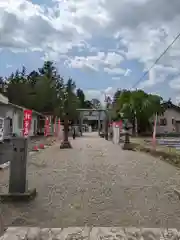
x=27, y=122
x=120, y=125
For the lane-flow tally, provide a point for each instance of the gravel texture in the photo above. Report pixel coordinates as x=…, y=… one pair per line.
x=86, y=233
x=96, y=184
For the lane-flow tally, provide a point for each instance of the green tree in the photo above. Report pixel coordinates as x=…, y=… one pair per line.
x=18, y=90
x=38, y=88
x=83, y=103
x=81, y=96
x=96, y=103
x=138, y=106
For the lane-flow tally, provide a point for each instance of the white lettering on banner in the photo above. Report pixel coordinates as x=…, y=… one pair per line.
x=26, y=124
x=27, y=116
x=26, y=131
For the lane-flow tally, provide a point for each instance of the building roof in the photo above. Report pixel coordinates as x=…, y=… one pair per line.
x=23, y=108
x=169, y=104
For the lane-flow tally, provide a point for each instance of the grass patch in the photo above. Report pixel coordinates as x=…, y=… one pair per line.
x=168, y=154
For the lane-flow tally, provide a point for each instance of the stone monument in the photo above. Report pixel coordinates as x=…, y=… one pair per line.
x=17, y=178
x=127, y=145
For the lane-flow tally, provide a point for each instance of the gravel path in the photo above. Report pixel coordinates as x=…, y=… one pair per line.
x=96, y=183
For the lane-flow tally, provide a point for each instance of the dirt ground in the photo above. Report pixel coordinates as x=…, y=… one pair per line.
x=96, y=184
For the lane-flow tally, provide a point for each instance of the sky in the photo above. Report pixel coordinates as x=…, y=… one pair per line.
x=103, y=45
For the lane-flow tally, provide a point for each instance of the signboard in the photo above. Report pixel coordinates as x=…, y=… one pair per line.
x=27, y=122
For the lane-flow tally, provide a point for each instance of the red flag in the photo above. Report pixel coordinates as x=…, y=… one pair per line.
x=27, y=122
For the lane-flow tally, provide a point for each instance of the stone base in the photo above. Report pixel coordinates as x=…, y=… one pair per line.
x=18, y=197
x=127, y=146
x=65, y=144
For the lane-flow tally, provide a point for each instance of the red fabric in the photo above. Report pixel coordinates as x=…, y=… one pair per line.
x=27, y=122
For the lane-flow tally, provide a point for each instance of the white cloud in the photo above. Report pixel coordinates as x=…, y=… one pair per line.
x=177, y=100
x=141, y=24
x=93, y=62
x=128, y=72
x=175, y=84
x=116, y=78
x=159, y=74
x=24, y=25
x=99, y=94
x=113, y=59
x=142, y=29
x=115, y=71
x=8, y=66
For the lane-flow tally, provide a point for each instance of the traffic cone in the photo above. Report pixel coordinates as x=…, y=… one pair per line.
x=35, y=148
x=41, y=146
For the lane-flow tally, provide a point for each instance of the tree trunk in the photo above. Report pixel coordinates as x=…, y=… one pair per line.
x=66, y=130
x=65, y=143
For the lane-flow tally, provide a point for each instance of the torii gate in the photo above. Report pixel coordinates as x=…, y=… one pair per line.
x=91, y=110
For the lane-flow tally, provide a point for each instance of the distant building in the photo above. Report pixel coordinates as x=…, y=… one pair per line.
x=169, y=122
x=13, y=119
x=92, y=117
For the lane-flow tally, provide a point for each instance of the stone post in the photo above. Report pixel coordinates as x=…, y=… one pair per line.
x=17, y=178
x=127, y=145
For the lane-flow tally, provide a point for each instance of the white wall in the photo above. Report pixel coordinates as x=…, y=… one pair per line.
x=3, y=110
x=3, y=99
x=16, y=115
x=168, y=115
x=34, y=118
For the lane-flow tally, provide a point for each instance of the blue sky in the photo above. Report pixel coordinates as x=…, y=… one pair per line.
x=103, y=45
